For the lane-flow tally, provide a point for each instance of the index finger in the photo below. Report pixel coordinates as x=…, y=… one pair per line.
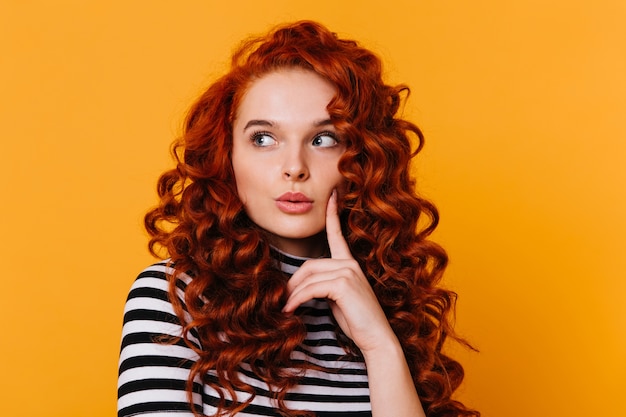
x=336, y=242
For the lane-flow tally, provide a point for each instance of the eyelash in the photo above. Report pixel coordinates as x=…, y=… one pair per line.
x=256, y=135
x=330, y=134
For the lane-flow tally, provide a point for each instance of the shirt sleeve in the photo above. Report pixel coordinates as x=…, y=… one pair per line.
x=154, y=367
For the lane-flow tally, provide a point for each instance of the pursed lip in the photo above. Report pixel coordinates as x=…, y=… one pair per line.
x=294, y=197
x=294, y=203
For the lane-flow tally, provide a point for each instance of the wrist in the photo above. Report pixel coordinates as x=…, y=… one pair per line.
x=386, y=350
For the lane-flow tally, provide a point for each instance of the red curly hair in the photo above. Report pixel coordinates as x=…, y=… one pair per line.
x=236, y=289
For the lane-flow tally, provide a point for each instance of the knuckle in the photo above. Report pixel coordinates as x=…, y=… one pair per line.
x=343, y=282
x=354, y=264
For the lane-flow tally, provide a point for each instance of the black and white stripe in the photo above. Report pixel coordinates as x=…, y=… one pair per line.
x=152, y=375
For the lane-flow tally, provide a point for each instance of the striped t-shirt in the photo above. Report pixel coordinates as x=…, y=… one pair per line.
x=152, y=374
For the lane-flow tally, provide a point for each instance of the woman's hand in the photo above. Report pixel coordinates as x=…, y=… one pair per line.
x=340, y=280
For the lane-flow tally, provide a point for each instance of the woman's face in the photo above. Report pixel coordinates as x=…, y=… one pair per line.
x=285, y=155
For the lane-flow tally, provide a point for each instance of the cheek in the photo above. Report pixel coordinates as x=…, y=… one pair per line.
x=330, y=170
x=252, y=185
x=242, y=181
x=338, y=180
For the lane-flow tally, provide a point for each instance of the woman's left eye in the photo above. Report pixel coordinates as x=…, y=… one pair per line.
x=325, y=140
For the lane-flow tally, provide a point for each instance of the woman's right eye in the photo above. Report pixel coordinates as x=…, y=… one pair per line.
x=262, y=139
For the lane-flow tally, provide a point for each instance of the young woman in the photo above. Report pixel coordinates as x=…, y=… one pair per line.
x=300, y=280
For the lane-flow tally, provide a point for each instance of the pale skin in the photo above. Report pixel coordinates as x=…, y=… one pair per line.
x=284, y=142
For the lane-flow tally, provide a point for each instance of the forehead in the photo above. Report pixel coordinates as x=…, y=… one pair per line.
x=284, y=94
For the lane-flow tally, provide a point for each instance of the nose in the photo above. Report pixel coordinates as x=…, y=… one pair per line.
x=295, y=166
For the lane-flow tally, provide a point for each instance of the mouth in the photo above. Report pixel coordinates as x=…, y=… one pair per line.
x=294, y=203
x=294, y=198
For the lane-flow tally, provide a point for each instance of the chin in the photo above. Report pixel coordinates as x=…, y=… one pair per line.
x=294, y=235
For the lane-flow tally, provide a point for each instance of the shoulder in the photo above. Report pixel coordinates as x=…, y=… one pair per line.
x=153, y=277
x=154, y=281
x=149, y=312
x=149, y=295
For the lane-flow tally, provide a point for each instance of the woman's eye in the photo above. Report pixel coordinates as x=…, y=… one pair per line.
x=263, y=139
x=325, y=140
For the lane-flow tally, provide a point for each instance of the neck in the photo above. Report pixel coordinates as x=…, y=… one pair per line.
x=310, y=247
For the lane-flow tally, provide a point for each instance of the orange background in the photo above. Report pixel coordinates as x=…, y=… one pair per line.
x=524, y=109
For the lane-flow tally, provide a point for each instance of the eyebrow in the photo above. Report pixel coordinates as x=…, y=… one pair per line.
x=269, y=123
